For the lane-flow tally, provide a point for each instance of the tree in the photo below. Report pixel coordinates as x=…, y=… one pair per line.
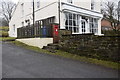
x=7, y=9
x=111, y=13
x=3, y=22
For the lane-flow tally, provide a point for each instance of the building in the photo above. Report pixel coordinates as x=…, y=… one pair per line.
x=79, y=16
x=105, y=25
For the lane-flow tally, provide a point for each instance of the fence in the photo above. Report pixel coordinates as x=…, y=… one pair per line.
x=34, y=31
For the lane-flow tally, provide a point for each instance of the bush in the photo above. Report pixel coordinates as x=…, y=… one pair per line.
x=4, y=34
x=111, y=33
x=4, y=31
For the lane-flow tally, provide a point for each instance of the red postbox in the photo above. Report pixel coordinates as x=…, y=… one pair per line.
x=55, y=33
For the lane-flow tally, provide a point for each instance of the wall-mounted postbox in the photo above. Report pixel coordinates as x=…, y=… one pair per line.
x=55, y=33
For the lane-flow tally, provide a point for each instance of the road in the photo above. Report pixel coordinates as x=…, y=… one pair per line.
x=0, y=60
x=18, y=62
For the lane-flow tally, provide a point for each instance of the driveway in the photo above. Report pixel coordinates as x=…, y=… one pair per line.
x=22, y=63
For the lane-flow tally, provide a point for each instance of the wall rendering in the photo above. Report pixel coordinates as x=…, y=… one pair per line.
x=38, y=42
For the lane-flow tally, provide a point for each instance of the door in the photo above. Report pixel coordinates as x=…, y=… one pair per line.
x=83, y=26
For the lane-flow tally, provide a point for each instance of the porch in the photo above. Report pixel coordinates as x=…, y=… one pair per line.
x=80, y=20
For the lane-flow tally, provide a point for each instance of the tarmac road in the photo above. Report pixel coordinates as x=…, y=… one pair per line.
x=18, y=62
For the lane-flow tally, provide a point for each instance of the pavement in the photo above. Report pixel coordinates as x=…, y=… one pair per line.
x=18, y=62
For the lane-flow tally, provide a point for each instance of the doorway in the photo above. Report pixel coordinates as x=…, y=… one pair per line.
x=83, y=26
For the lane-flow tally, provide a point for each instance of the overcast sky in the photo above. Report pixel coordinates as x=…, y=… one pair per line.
x=102, y=0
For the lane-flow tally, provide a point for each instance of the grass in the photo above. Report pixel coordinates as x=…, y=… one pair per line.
x=108, y=64
x=7, y=38
x=4, y=28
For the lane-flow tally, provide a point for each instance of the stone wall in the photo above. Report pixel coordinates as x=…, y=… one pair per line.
x=100, y=47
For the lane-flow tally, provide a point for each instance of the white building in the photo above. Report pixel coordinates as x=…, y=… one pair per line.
x=80, y=16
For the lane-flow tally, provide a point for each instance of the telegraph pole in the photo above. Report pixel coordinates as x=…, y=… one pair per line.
x=33, y=14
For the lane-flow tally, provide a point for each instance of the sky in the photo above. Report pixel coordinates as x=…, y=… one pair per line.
x=15, y=1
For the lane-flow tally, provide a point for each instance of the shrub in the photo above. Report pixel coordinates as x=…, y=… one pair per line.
x=4, y=34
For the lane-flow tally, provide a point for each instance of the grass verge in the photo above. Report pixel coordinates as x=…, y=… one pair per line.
x=7, y=38
x=108, y=64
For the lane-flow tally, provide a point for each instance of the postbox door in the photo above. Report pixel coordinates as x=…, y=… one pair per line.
x=55, y=33
x=55, y=27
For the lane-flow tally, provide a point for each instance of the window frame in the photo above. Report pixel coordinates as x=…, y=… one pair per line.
x=71, y=22
x=14, y=27
x=93, y=25
x=22, y=9
x=38, y=3
x=92, y=5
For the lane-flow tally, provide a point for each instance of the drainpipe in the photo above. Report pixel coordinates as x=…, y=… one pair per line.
x=59, y=12
x=33, y=13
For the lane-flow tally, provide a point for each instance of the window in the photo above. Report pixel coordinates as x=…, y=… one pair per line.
x=72, y=22
x=14, y=27
x=70, y=1
x=93, y=25
x=92, y=4
x=22, y=24
x=38, y=3
x=22, y=8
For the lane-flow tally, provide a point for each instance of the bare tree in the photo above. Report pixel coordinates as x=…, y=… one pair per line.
x=111, y=13
x=7, y=9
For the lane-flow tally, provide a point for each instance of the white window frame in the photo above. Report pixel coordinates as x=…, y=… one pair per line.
x=93, y=25
x=38, y=3
x=83, y=28
x=92, y=5
x=14, y=28
x=22, y=24
x=73, y=23
x=22, y=9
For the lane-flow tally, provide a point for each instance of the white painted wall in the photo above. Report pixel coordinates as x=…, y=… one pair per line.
x=86, y=4
x=48, y=8
x=38, y=42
